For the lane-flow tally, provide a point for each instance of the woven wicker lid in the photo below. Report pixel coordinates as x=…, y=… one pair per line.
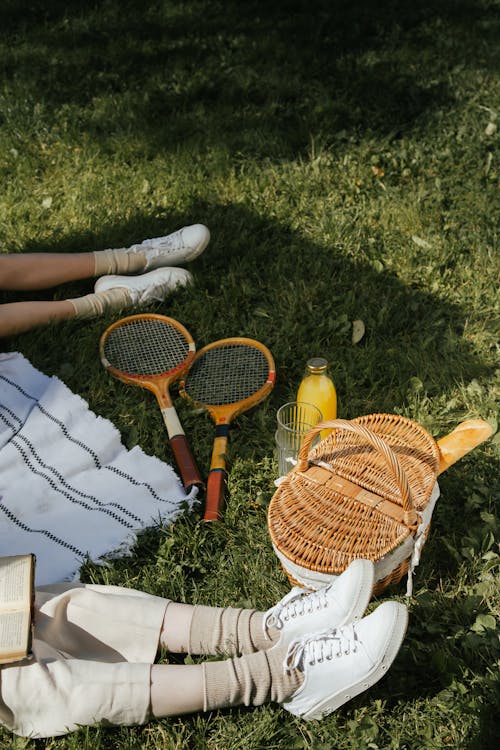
x=355, y=493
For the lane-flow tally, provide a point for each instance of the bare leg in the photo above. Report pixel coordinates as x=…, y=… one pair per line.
x=119, y=293
x=176, y=689
x=174, y=636
x=17, y=317
x=33, y=271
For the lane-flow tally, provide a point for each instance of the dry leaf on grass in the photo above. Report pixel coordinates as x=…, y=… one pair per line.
x=420, y=242
x=358, y=331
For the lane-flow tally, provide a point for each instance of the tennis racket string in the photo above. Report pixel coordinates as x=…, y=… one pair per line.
x=145, y=347
x=227, y=374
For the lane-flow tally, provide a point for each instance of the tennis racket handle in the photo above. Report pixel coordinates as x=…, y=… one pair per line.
x=184, y=458
x=216, y=483
x=216, y=488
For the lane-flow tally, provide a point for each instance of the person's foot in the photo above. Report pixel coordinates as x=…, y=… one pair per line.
x=341, y=663
x=147, y=287
x=332, y=606
x=181, y=246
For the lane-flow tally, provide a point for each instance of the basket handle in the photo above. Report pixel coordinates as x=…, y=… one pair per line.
x=410, y=516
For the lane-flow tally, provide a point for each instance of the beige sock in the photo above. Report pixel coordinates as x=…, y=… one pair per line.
x=228, y=630
x=250, y=680
x=93, y=305
x=119, y=261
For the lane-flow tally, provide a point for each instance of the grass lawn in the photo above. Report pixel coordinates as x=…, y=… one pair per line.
x=345, y=157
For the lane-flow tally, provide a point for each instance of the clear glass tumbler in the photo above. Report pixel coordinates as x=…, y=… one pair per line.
x=295, y=419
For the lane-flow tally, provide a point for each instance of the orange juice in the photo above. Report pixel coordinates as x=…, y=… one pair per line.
x=317, y=388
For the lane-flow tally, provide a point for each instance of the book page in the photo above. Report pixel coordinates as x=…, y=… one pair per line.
x=13, y=629
x=15, y=582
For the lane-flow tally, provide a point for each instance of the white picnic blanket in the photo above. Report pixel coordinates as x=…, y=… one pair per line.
x=69, y=489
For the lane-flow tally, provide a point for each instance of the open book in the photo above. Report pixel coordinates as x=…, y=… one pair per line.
x=17, y=596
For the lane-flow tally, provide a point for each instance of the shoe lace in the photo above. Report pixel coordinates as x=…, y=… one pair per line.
x=157, y=245
x=294, y=604
x=172, y=241
x=318, y=647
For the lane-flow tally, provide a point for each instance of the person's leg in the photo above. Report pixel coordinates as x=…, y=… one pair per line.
x=34, y=271
x=53, y=695
x=112, y=293
x=135, y=624
x=17, y=317
x=250, y=680
x=215, y=630
x=102, y=623
x=179, y=247
x=201, y=630
x=311, y=677
x=93, y=647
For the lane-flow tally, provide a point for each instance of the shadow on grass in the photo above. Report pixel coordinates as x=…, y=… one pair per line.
x=261, y=279
x=240, y=75
x=259, y=79
x=264, y=280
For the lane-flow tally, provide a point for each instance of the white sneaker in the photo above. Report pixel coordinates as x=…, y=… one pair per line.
x=332, y=606
x=179, y=247
x=147, y=287
x=339, y=664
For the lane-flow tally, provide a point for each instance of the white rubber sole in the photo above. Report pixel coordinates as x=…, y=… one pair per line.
x=394, y=641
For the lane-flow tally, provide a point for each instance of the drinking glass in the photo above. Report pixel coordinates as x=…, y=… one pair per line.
x=295, y=419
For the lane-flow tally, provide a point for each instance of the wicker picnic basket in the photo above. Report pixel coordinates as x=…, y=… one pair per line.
x=360, y=492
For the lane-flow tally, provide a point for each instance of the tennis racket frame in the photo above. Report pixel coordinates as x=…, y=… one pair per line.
x=159, y=385
x=223, y=415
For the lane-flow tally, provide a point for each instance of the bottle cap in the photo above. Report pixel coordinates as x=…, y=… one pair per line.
x=317, y=364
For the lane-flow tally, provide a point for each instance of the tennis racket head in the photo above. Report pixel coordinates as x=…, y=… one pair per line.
x=152, y=351
x=229, y=376
x=147, y=350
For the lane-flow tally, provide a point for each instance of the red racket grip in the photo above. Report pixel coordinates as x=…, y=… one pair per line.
x=185, y=460
x=216, y=483
x=216, y=488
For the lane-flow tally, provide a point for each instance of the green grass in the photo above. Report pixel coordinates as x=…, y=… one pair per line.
x=345, y=157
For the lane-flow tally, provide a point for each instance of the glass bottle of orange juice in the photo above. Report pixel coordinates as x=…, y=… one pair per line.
x=317, y=388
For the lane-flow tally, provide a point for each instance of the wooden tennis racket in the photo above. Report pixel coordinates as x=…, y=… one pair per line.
x=152, y=351
x=227, y=378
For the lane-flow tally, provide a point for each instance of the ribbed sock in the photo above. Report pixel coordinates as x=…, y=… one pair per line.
x=249, y=680
x=93, y=305
x=228, y=630
x=120, y=261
